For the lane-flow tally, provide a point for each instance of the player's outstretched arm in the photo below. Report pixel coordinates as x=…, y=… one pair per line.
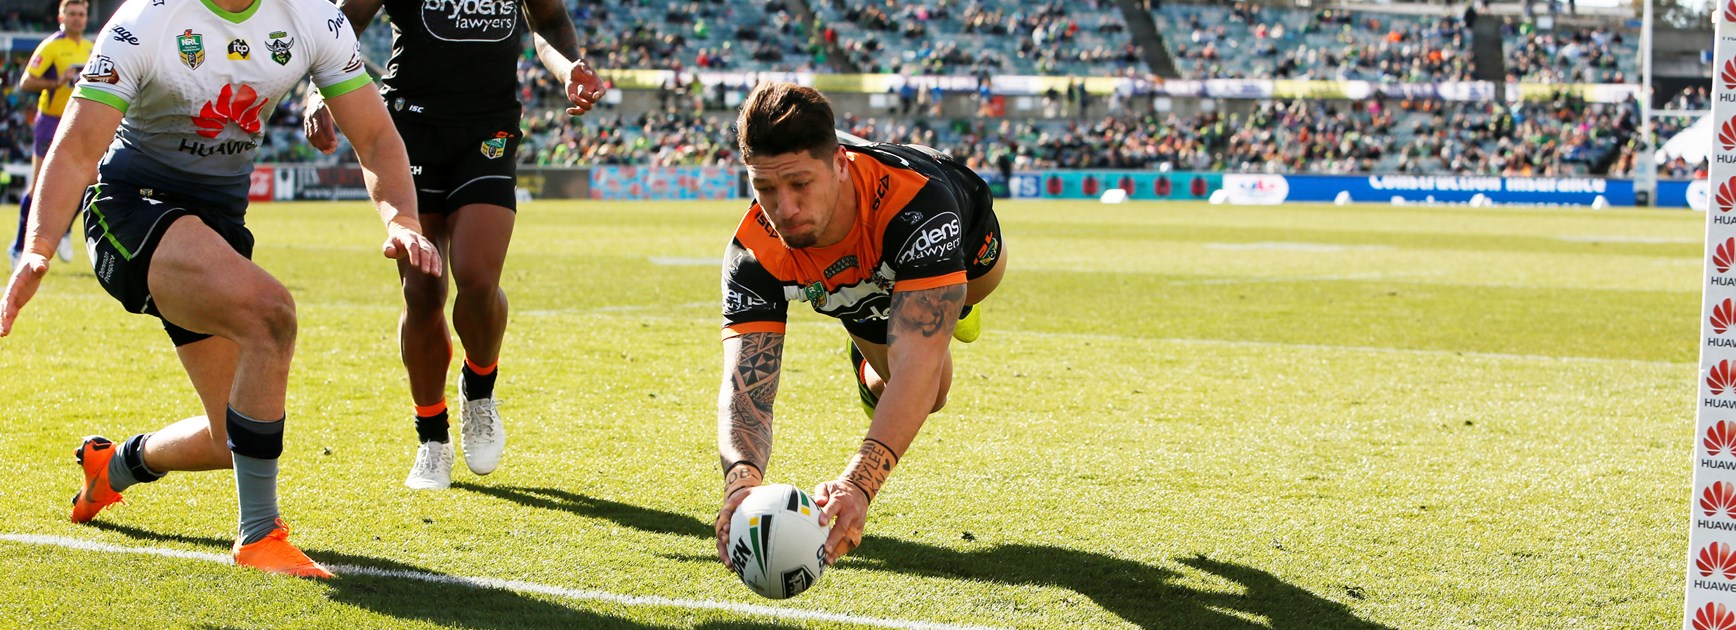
x=386, y=169
x=557, y=45
x=751, y=365
x=916, y=354
x=316, y=121
x=83, y=136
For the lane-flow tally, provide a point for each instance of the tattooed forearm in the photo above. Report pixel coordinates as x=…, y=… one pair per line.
x=752, y=363
x=870, y=467
x=928, y=312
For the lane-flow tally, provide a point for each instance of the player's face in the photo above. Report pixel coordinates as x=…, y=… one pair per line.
x=73, y=17
x=799, y=193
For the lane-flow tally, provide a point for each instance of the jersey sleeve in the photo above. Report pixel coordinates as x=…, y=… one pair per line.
x=40, y=61
x=337, y=60
x=753, y=299
x=924, y=243
x=118, y=66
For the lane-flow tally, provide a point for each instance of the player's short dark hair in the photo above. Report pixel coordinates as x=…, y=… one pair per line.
x=65, y=3
x=779, y=118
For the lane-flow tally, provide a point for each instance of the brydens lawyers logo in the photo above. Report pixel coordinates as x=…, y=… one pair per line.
x=1719, y=498
x=1717, y=559
x=1720, y=438
x=1723, y=316
x=232, y=105
x=1714, y=616
x=1724, y=255
x=1723, y=377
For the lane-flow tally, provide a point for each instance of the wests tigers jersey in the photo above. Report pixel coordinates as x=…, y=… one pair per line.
x=913, y=215
x=197, y=84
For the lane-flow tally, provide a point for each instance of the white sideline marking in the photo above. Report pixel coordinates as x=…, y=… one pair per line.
x=1650, y=240
x=1297, y=246
x=686, y=262
x=513, y=585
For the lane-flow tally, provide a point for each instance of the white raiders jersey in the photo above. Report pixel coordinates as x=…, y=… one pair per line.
x=197, y=84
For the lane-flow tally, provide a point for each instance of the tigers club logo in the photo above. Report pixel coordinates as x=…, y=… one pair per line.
x=1726, y=197
x=1727, y=135
x=1724, y=255
x=1723, y=316
x=1717, y=559
x=1720, y=438
x=1714, y=616
x=1719, y=498
x=1723, y=377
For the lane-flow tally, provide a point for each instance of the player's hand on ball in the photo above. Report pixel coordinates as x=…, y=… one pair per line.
x=736, y=484
x=584, y=88
x=321, y=131
x=406, y=244
x=26, y=278
x=845, y=507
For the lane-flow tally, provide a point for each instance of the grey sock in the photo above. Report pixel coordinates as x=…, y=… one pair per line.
x=256, y=489
x=127, y=467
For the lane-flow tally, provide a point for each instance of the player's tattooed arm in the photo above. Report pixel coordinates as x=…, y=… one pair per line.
x=927, y=313
x=752, y=364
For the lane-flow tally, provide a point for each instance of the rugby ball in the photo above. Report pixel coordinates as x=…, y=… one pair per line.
x=776, y=541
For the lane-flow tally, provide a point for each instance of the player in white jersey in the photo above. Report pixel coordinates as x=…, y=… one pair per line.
x=188, y=85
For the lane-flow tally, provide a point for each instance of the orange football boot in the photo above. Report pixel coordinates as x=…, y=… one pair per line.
x=94, y=455
x=274, y=554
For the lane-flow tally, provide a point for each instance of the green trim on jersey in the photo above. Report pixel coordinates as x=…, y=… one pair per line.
x=100, y=97
x=344, y=87
x=103, y=221
x=233, y=17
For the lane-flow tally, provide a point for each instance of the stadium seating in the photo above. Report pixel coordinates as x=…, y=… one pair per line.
x=1582, y=55
x=1248, y=41
x=984, y=36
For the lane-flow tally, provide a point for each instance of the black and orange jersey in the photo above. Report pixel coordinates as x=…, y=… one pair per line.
x=915, y=210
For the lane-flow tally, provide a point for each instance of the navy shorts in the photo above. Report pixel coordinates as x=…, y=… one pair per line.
x=456, y=165
x=123, y=226
x=44, y=130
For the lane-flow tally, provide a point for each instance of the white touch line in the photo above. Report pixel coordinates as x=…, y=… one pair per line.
x=515, y=586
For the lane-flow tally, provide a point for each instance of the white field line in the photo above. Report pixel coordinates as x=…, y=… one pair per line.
x=1330, y=348
x=516, y=586
x=1296, y=246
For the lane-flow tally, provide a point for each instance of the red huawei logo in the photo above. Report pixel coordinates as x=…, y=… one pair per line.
x=1729, y=74
x=1724, y=255
x=1721, y=437
x=1730, y=11
x=1723, y=377
x=1717, y=558
x=1726, y=196
x=235, y=106
x=1727, y=135
x=1714, y=616
x=1719, y=498
x=1723, y=316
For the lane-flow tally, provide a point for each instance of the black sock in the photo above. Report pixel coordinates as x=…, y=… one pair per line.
x=127, y=467
x=964, y=312
x=476, y=386
x=433, y=428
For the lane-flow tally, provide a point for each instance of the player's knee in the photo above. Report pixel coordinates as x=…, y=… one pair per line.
x=424, y=297
x=272, y=315
x=472, y=283
x=940, y=397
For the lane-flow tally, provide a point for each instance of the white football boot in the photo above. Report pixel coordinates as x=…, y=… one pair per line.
x=433, y=467
x=483, y=435
x=64, y=250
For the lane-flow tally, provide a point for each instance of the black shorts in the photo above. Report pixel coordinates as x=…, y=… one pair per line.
x=123, y=227
x=982, y=249
x=456, y=165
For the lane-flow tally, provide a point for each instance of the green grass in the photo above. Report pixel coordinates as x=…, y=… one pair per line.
x=1178, y=416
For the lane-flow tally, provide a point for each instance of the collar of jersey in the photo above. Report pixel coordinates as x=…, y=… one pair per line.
x=233, y=17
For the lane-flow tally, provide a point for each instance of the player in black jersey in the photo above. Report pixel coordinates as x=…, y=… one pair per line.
x=451, y=86
x=899, y=242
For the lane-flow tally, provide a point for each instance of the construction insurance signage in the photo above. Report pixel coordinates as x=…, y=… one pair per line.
x=1711, y=592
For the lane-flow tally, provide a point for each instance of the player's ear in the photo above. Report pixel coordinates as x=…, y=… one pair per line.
x=838, y=162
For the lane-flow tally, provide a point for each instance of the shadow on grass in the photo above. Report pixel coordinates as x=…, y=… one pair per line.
x=444, y=603
x=1140, y=594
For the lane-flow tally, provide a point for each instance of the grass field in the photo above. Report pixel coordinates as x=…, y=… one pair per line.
x=1179, y=416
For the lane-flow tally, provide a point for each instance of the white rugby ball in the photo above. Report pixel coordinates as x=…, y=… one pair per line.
x=776, y=541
